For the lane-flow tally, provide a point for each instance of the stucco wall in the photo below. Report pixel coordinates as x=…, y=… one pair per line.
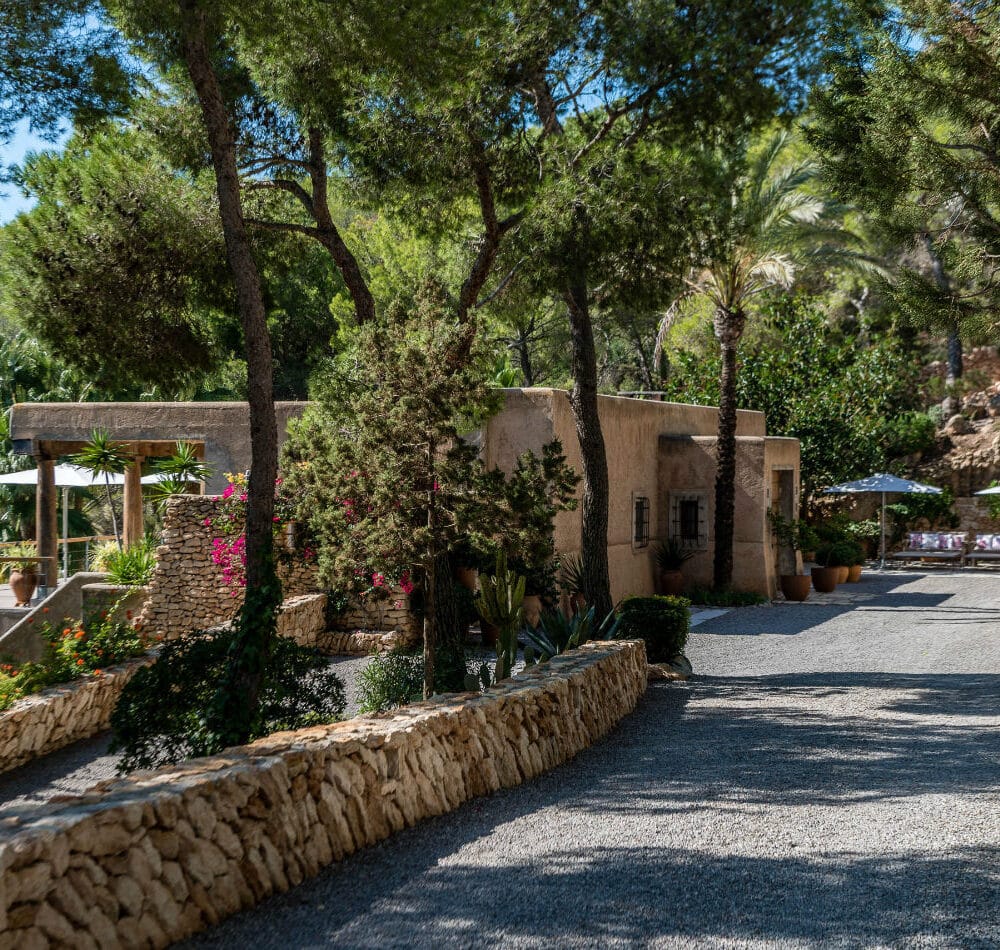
x=157, y=856
x=223, y=427
x=633, y=429
x=44, y=722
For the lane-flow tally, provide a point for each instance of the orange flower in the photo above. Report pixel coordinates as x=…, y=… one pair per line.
x=97, y=672
x=45, y=610
x=80, y=634
x=128, y=614
x=79, y=662
x=67, y=632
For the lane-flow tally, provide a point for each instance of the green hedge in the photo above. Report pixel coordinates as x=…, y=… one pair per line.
x=663, y=622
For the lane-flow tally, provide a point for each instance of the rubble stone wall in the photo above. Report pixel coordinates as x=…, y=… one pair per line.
x=57, y=717
x=157, y=856
x=187, y=592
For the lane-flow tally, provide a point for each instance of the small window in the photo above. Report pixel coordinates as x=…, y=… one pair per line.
x=689, y=519
x=688, y=524
x=640, y=535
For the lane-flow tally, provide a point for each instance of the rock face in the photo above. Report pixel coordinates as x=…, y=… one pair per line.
x=46, y=721
x=958, y=425
x=155, y=857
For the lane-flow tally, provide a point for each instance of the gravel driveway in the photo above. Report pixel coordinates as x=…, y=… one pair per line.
x=830, y=778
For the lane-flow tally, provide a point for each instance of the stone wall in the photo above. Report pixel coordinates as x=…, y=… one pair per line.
x=303, y=619
x=187, y=592
x=46, y=721
x=157, y=856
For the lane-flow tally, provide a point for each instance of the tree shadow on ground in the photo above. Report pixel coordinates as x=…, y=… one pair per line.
x=711, y=750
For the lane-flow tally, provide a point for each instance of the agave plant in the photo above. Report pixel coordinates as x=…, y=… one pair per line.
x=557, y=633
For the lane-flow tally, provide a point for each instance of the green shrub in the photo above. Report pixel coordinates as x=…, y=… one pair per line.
x=709, y=597
x=71, y=652
x=840, y=554
x=133, y=565
x=162, y=714
x=909, y=432
x=396, y=678
x=663, y=622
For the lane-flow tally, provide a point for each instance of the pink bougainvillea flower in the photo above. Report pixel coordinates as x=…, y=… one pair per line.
x=227, y=492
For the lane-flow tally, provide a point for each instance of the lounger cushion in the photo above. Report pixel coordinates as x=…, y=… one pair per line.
x=984, y=542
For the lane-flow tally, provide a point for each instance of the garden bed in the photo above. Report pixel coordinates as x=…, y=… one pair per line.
x=61, y=715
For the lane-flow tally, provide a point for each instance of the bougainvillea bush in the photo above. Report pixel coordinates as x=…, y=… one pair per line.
x=72, y=651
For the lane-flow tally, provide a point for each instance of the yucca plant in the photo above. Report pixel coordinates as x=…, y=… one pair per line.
x=103, y=456
x=133, y=565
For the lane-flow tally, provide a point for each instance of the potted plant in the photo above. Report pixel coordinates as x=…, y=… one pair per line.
x=795, y=535
x=670, y=558
x=22, y=575
x=833, y=557
x=857, y=563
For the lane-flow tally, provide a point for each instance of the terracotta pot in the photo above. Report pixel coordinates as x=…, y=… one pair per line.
x=795, y=586
x=824, y=579
x=842, y=573
x=22, y=586
x=531, y=609
x=671, y=582
x=489, y=634
x=467, y=577
x=854, y=573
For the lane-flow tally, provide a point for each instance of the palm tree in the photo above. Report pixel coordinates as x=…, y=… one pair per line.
x=766, y=223
x=102, y=456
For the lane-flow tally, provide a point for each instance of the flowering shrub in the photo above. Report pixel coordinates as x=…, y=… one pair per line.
x=72, y=651
x=229, y=552
x=229, y=545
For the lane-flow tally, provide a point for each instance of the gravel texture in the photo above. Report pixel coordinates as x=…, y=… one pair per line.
x=74, y=769
x=831, y=778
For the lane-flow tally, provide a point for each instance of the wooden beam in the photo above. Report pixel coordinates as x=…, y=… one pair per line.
x=46, y=521
x=132, y=523
x=148, y=448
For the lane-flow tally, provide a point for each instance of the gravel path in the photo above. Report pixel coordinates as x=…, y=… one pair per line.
x=74, y=769
x=831, y=778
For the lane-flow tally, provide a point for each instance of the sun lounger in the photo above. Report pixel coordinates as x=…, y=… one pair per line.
x=941, y=546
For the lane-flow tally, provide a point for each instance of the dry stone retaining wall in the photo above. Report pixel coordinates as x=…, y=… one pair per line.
x=187, y=592
x=157, y=856
x=50, y=720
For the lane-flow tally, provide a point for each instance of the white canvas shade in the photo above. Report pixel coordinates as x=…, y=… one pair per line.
x=988, y=491
x=884, y=484
x=73, y=476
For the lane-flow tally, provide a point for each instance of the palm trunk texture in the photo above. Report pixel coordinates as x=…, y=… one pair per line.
x=728, y=328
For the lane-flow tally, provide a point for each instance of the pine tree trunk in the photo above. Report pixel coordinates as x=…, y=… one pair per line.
x=583, y=398
x=728, y=328
x=237, y=700
x=430, y=581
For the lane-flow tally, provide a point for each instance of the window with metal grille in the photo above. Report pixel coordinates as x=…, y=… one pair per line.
x=640, y=534
x=689, y=519
x=688, y=525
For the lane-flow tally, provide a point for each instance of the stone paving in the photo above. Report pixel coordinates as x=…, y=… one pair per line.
x=831, y=778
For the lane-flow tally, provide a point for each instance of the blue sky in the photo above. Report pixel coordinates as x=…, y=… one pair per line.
x=11, y=153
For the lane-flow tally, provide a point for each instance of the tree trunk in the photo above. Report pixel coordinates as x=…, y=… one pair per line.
x=329, y=236
x=430, y=583
x=523, y=346
x=237, y=700
x=583, y=398
x=728, y=328
x=956, y=365
x=111, y=506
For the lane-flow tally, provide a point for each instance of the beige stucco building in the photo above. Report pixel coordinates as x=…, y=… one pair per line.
x=661, y=468
x=661, y=474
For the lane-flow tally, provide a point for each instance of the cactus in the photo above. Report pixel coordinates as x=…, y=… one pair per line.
x=499, y=602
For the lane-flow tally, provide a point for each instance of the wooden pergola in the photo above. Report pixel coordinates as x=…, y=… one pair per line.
x=48, y=452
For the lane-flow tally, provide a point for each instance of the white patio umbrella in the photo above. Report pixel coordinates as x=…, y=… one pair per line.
x=988, y=491
x=66, y=477
x=884, y=484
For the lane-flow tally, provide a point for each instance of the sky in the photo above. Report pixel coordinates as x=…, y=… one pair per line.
x=11, y=153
